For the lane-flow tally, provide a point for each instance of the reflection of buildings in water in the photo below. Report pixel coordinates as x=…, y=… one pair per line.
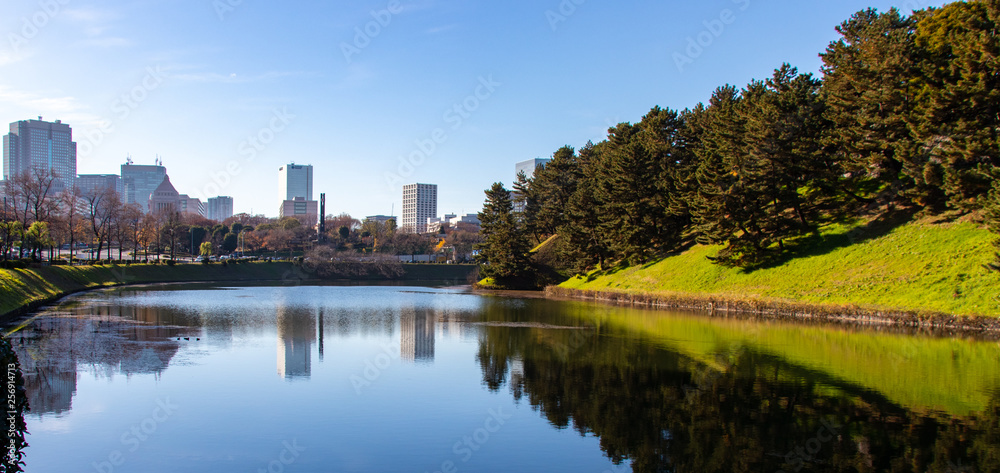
x=108, y=341
x=296, y=334
x=454, y=325
x=319, y=319
x=416, y=335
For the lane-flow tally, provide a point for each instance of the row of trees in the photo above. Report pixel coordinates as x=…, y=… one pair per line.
x=37, y=217
x=907, y=113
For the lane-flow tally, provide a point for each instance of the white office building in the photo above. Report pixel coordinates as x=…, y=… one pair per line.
x=419, y=204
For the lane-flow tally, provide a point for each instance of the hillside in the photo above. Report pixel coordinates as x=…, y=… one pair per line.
x=918, y=266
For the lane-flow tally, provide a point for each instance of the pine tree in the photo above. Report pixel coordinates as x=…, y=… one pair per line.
x=553, y=186
x=503, y=255
x=762, y=173
x=868, y=78
x=582, y=242
x=958, y=102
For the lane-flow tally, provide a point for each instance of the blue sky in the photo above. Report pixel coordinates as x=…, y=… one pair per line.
x=452, y=93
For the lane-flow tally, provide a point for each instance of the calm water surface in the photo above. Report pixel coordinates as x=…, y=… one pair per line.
x=200, y=378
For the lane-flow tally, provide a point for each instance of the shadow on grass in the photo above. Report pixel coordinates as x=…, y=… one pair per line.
x=813, y=245
x=622, y=266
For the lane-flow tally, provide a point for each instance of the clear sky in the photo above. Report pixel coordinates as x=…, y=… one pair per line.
x=377, y=94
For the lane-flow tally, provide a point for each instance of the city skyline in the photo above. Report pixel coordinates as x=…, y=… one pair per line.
x=447, y=93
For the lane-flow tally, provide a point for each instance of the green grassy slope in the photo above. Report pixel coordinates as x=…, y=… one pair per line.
x=917, y=266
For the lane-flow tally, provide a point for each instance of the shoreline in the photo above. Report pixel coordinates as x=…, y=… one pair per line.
x=31, y=289
x=853, y=316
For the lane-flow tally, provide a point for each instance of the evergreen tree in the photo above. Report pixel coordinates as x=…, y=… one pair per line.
x=553, y=186
x=762, y=176
x=868, y=75
x=582, y=241
x=503, y=255
x=958, y=101
x=525, y=199
x=632, y=183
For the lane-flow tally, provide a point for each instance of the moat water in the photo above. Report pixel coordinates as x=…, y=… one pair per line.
x=211, y=378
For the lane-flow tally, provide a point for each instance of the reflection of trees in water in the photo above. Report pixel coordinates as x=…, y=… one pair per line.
x=15, y=404
x=666, y=412
x=53, y=349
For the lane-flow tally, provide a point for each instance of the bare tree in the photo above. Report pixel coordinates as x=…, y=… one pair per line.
x=70, y=203
x=123, y=224
x=102, y=207
x=130, y=228
x=31, y=194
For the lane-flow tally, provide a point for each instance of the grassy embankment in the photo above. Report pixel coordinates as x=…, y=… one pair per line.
x=24, y=289
x=920, y=267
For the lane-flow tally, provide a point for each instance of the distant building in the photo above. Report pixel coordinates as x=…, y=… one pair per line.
x=528, y=168
x=306, y=211
x=164, y=198
x=452, y=220
x=91, y=184
x=380, y=218
x=140, y=181
x=295, y=180
x=472, y=219
x=419, y=204
x=295, y=189
x=219, y=208
x=37, y=144
x=191, y=205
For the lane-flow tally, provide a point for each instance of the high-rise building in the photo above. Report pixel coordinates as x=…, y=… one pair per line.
x=37, y=144
x=140, y=181
x=91, y=184
x=295, y=189
x=220, y=208
x=295, y=180
x=164, y=198
x=528, y=168
x=419, y=204
x=191, y=205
